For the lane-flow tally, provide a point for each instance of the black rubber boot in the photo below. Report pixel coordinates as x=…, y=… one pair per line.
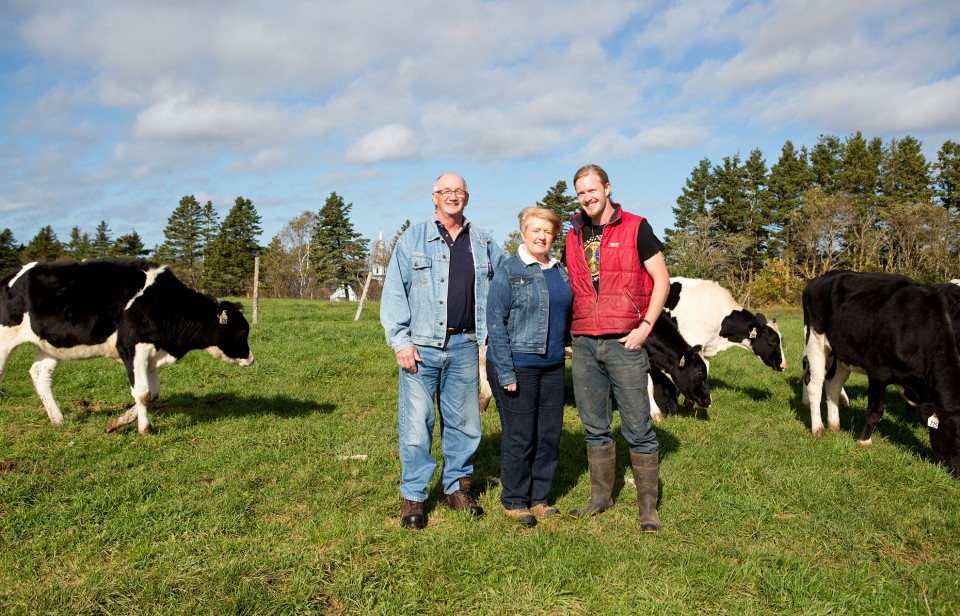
x=646, y=475
x=602, y=461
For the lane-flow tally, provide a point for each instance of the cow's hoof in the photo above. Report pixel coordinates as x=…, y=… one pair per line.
x=148, y=429
x=866, y=443
x=484, y=403
x=835, y=428
x=819, y=431
x=656, y=415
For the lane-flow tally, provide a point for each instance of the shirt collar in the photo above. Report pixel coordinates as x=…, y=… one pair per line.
x=528, y=259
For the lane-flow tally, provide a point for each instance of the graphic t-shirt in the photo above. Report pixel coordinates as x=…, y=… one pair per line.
x=647, y=245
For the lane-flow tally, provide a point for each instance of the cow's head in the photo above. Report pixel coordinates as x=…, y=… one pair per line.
x=231, y=335
x=764, y=339
x=945, y=442
x=689, y=374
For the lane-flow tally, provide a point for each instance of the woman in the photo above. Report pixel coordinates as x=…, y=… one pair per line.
x=528, y=322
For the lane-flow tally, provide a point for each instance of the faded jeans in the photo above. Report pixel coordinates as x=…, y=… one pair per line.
x=602, y=364
x=452, y=375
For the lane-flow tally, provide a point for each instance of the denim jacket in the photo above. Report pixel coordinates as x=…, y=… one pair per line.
x=518, y=311
x=413, y=309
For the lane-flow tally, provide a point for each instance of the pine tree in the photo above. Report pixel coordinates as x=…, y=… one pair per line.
x=339, y=252
x=228, y=268
x=727, y=195
x=9, y=252
x=692, y=203
x=948, y=175
x=905, y=174
x=757, y=217
x=860, y=170
x=826, y=160
x=102, y=243
x=183, y=241
x=564, y=206
x=44, y=246
x=129, y=245
x=79, y=247
x=789, y=179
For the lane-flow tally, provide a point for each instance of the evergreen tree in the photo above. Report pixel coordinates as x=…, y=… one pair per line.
x=948, y=175
x=228, y=268
x=79, y=247
x=129, y=245
x=860, y=171
x=789, y=179
x=564, y=206
x=102, y=243
x=339, y=252
x=9, y=252
x=906, y=173
x=757, y=216
x=396, y=236
x=209, y=224
x=44, y=246
x=183, y=240
x=727, y=195
x=826, y=160
x=691, y=204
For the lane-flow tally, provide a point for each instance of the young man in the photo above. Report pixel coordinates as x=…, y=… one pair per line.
x=433, y=312
x=620, y=283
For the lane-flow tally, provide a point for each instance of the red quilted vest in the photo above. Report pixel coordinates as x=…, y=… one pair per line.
x=625, y=286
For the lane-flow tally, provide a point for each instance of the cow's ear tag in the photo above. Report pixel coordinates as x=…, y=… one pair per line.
x=223, y=318
x=933, y=422
x=683, y=362
x=753, y=333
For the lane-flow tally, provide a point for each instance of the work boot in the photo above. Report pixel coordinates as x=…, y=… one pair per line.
x=602, y=461
x=521, y=515
x=646, y=476
x=461, y=498
x=411, y=515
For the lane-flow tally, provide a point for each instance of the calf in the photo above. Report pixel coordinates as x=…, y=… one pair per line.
x=130, y=310
x=894, y=330
x=670, y=355
x=707, y=315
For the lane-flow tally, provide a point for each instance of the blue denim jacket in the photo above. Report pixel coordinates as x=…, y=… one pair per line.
x=518, y=311
x=413, y=309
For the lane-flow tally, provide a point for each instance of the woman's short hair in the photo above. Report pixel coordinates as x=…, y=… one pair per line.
x=535, y=211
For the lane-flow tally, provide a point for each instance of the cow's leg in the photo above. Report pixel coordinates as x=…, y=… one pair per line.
x=153, y=381
x=485, y=392
x=9, y=340
x=138, y=371
x=816, y=357
x=875, y=394
x=835, y=396
x=41, y=373
x=655, y=413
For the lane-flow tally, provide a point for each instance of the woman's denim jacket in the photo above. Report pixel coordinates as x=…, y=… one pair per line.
x=413, y=308
x=518, y=312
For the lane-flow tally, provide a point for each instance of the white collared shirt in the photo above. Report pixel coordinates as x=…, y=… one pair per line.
x=528, y=259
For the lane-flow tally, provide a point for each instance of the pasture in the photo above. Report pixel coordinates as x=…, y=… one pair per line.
x=273, y=489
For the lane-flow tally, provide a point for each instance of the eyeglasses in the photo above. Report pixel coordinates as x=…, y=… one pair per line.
x=447, y=192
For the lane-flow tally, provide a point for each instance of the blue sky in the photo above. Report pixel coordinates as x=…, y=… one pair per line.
x=114, y=110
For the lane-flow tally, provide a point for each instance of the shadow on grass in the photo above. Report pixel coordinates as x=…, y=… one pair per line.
x=212, y=407
x=897, y=424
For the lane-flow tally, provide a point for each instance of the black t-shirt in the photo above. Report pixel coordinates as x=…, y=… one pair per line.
x=647, y=246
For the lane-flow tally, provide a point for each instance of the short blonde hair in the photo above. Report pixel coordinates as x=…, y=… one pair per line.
x=586, y=170
x=535, y=211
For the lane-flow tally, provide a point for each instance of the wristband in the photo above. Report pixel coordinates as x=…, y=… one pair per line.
x=644, y=320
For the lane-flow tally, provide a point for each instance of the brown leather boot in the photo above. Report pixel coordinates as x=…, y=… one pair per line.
x=412, y=516
x=646, y=475
x=461, y=498
x=602, y=461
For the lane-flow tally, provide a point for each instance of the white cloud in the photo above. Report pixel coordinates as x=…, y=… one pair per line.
x=389, y=142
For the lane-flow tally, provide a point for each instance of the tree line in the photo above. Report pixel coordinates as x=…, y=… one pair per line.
x=761, y=232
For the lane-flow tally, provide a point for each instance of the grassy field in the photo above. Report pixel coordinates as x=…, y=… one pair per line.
x=273, y=489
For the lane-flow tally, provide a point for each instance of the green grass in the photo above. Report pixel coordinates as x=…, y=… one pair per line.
x=248, y=499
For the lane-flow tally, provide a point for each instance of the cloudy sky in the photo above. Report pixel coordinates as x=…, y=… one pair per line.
x=115, y=109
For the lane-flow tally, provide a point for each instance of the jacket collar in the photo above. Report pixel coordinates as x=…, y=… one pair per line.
x=529, y=260
x=579, y=220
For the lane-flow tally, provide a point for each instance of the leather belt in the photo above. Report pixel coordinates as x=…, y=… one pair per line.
x=453, y=331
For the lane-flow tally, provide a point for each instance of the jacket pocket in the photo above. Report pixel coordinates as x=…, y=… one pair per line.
x=421, y=266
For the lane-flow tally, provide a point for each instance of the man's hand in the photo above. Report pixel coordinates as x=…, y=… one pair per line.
x=636, y=337
x=407, y=359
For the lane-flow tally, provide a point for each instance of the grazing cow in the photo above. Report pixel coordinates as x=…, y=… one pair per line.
x=670, y=355
x=707, y=315
x=897, y=332
x=130, y=310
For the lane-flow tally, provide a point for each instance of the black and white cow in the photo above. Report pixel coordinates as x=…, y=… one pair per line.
x=707, y=315
x=670, y=355
x=897, y=332
x=130, y=310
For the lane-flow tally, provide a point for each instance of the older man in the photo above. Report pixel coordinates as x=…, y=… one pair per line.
x=433, y=314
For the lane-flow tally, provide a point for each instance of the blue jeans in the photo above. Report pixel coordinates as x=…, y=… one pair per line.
x=450, y=375
x=531, y=418
x=602, y=364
